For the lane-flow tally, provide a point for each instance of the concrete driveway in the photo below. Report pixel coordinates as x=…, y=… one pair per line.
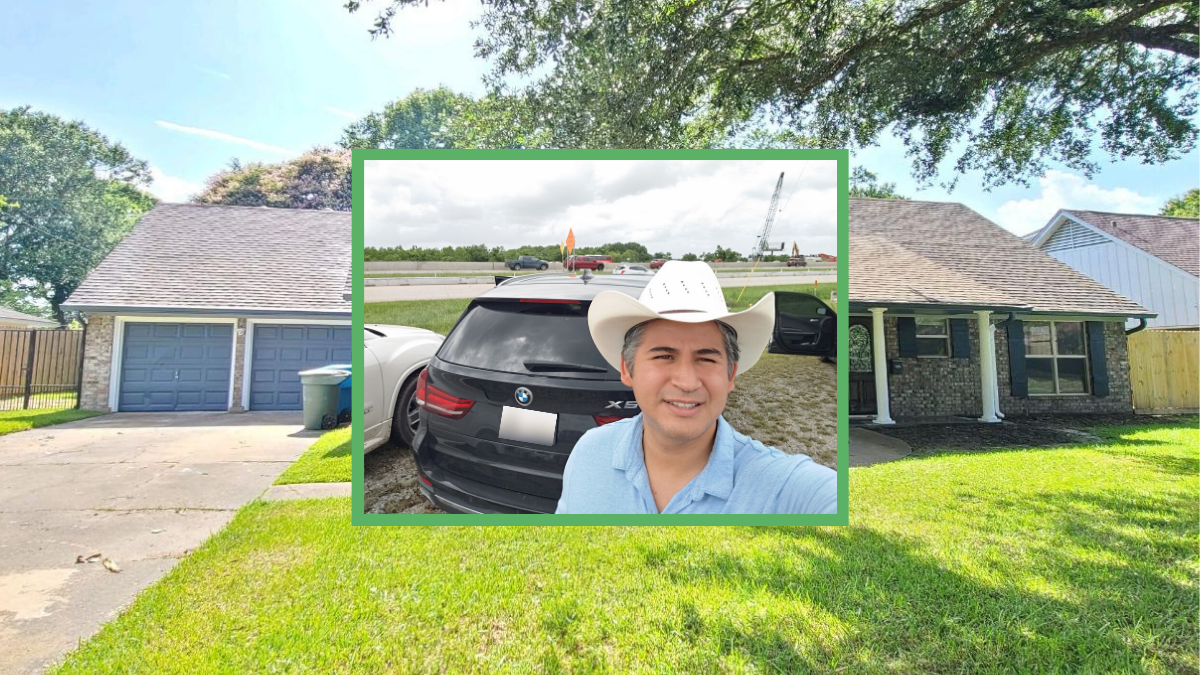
x=142, y=489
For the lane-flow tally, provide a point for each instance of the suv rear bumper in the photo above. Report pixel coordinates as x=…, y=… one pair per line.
x=454, y=494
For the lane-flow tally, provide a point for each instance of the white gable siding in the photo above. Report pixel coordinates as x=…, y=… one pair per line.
x=1139, y=276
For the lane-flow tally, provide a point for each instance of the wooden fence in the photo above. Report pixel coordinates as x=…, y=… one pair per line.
x=40, y=368
x=1164, y=370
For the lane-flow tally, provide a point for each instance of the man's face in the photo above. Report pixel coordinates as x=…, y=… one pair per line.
x=680, y=377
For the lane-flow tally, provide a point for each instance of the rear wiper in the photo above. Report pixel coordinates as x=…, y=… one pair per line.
x=557, y=367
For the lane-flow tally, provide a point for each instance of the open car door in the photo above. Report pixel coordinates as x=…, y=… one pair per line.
x=804, y=326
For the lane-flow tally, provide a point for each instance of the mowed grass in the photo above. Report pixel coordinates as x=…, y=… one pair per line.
x=326, y=461
x=1065, y=560
x=440, y=316
x=21, y=420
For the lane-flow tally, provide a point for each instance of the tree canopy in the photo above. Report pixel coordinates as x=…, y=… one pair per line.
x=69, y=196
x=865, y=183
x=418, y=121
x=1186, y=205
x=318, y=179
x=1002, y=88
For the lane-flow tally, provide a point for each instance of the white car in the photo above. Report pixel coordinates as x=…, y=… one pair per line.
x=395, y=357
x=631, y=269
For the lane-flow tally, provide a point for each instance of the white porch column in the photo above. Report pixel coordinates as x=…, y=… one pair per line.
x=987, y=366
x=883, y=411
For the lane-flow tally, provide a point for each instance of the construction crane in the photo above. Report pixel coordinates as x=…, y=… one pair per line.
x=761, y=245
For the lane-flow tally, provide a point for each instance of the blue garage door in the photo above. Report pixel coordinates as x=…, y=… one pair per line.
x=283, y=350
x=175, y=366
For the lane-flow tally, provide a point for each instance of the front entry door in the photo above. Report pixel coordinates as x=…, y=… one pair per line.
x=862, y=371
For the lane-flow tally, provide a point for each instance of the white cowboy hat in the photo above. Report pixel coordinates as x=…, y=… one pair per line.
x=687, y=292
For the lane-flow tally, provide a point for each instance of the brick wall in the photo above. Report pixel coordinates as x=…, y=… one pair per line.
x=239, y=362
x=936, y=387
x=97, y=362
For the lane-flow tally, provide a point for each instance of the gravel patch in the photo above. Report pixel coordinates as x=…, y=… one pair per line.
x=788, y=402
x=390, y=482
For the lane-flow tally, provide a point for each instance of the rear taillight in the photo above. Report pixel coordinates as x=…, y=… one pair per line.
x=438, y=402
x=601, y=420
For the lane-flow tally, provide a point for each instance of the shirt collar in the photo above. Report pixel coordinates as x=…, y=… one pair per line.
x=715, y=479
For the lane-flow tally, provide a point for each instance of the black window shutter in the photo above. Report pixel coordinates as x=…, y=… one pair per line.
x=960, y=338
x=1016, y=360
x=1098, y=361
x=906, y=335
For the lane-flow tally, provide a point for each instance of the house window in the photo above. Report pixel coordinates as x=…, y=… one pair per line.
x=933, y=337
x=1056, y=357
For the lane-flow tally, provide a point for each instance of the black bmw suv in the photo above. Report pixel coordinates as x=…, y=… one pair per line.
x=515, y=385
x=518, y=381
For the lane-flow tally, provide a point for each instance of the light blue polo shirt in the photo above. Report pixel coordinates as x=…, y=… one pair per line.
x=606, y=473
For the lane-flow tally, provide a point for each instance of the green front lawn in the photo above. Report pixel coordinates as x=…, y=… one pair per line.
x=1067, y=560
x=326, y=461
x=22, y=420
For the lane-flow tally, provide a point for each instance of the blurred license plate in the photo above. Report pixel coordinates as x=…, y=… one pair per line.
x=528, y=426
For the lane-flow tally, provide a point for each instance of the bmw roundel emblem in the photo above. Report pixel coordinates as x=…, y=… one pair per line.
x=524, y=396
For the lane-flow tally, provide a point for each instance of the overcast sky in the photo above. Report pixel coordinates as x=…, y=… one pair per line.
x=672, y=206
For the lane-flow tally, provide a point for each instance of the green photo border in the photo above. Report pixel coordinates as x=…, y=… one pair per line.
x=842, y=517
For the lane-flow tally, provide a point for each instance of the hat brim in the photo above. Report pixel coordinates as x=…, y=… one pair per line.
x=613, y=313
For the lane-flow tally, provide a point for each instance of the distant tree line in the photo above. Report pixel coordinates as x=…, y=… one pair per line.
x=620, y=252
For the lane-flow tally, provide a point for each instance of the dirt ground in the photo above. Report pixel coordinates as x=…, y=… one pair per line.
x=788, y=402
x=391, y=483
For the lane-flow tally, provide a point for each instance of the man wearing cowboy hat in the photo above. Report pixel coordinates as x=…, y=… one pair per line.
x=679, y=347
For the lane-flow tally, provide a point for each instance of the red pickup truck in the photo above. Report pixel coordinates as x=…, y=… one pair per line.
x=586, y=262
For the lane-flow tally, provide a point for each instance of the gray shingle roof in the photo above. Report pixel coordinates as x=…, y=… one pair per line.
x=1175, y=240
x=204, y=257
x=934, y=253
x=11, y=317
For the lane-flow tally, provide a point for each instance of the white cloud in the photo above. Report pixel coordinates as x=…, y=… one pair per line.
x=672, y=206
x=170, y=188
x=346, y=114
x=222, y=136
x=1062, y=190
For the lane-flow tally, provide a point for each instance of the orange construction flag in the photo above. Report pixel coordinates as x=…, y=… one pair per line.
x=571, y=241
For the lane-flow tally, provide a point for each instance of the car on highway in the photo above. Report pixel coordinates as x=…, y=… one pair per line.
x=526, y=262
x=657, y=263
x=518, y=381
x=395, y=358
x=584, y=262
x=631, y=269
x=797, y=262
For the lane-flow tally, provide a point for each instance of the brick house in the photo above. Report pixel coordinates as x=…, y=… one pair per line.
x=208, y=307
x=928, y=279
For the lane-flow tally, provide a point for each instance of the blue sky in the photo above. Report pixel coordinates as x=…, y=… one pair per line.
x=189, y=87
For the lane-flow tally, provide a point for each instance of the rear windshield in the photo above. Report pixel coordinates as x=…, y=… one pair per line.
x=550, y=340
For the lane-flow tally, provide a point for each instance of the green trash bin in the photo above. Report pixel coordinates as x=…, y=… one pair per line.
x=321, y=392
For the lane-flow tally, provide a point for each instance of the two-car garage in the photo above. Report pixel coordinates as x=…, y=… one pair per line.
x=190, y=365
